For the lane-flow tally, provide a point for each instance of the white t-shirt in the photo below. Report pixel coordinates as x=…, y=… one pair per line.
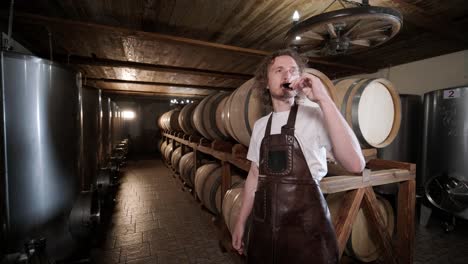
x=309, y=131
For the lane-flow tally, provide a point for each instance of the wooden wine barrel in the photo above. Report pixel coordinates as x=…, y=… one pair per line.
x=208, y=186
x=362, y=243
x=204, y=116
x=163, y=148
x=220, y=118
x=168, y=153
x=187, y=168
x=169, y=121
x=160, y=142
x=162, y=145
x=225, y=118
x=160, y=124
x=242, y=109
x=175, y=158
x=185, y=118
x=232, y=203
x=372, y=108
x=162, y=121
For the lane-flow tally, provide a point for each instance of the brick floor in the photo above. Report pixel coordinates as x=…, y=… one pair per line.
x=433, y=245
x=154, y=221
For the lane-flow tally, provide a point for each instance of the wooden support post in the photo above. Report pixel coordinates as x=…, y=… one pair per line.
x=183, y=150
x=369, y=154
x=377, y=226
x=346, y=216
x=366, y=173
x=405, y=221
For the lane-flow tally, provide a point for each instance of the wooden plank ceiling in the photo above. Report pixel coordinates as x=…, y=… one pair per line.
x=190, y=48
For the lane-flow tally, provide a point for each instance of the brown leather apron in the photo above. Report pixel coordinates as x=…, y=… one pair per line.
x=291, y=222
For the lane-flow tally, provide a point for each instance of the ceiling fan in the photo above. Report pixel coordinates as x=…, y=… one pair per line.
x=345, y=31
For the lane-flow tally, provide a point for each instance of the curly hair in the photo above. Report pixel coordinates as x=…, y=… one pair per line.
x=261, y=75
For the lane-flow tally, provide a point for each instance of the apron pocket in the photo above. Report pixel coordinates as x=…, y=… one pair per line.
x=278, y=160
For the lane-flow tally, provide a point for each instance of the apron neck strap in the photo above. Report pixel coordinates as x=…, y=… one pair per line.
x=289, y=127
x=268, y=127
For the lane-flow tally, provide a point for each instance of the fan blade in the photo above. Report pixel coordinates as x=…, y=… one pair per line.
x=331, y=30
x=372, y=32
x=360, y=42
x=312, y=53
x=305, y=44
x=352, y=28
x=380, y=38
x=372, y=27
x=375, y=37
x=312, y=35
x=308, y=48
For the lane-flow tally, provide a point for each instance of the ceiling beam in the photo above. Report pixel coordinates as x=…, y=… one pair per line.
x=359, y=69
x=70, y=24
x=421, y=18
x=152, y=94
x=146, y=93
x=90, y=61
x=116, y=97
x=207, y=87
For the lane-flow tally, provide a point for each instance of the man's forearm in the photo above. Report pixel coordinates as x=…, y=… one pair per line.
x=248, y=194
x=345, y=144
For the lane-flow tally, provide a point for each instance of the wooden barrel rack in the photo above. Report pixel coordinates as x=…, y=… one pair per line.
x=358, y=188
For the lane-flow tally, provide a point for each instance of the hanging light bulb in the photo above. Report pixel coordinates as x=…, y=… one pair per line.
x=295, y=16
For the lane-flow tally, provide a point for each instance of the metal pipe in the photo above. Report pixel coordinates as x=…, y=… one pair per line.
x=50, y=44
x=10, y=25
x=7, y=225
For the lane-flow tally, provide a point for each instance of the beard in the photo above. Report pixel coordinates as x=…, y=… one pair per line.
x=284, y=95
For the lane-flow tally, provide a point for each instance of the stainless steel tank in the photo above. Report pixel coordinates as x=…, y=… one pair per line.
x=406, y=145
x=101, y=125
x=114, y=124
x=117, y=133
x=106, y=128
x=119, y=125
x=444, y=162
x=91, y=135
x=41, y=148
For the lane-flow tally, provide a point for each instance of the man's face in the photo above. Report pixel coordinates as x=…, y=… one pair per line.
x=284, y=69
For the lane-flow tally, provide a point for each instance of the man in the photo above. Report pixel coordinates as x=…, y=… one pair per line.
x=290, y=219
